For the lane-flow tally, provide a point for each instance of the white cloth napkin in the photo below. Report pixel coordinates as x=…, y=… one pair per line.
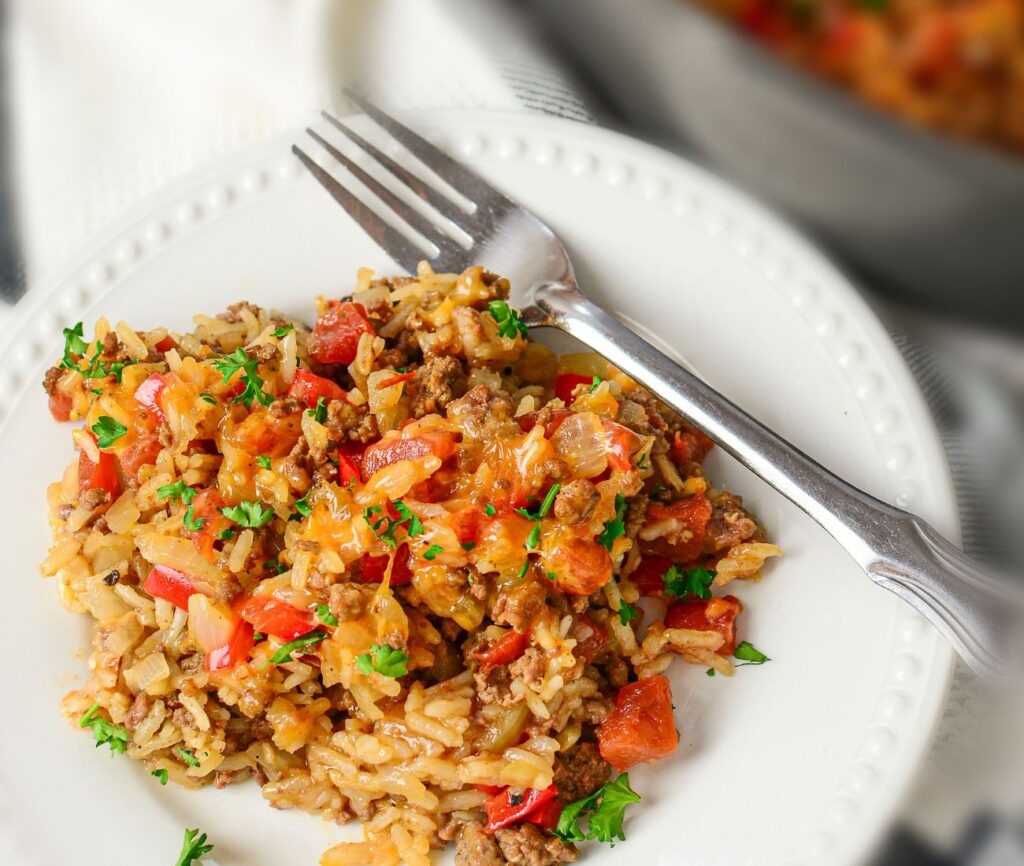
x=113, y=99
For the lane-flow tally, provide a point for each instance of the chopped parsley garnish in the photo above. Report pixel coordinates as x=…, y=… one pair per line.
x=258, y=636
x=606, y=808
x=283, y=330
x=385, y=660
x=97, y=391
x=108, y=431
x=593, y=385
x=208, y=397
x=468, y=545
x=432, y=551
x=552, y=576
x=191, y=522
x=748, y=653
x=263, y=461
x=319, y=412
x=657, y=491
x=178, y=490
x=615, y=527
x=627, y=612
x=683, y=582
x=226, y=534
x=193, y=848
x=284, y=654
x=105, y=733
x=302, y=506
x=710, y=672
x=275, y=566
x=525, y=568
x=251, y=514
x=187, y=756
x=239, y=361
x=384, y=527
x=323, y=613
x=549, y=500
x=401, y=369
x=161, y=774
x=74, y=344
x=641, y=462
x=533, y=539
x=509, y=323
x=489, y=510
x=415, y=527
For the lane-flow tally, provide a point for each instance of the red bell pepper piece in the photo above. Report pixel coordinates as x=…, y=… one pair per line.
x=641, y=727
x=169, y=584
x=309, y=388
x=273, y=616
x=565, y=384
x=102, y=475
x=142, y=452
x=546, y=815
x=648, y=574
x=337, y=332
x=166, y=344
x=148, y=395
x=507, y=808
x=235, y=651
x=504, y=650
x=707, y=614
x=691, y=516
x=440, y=443
x=373, y=567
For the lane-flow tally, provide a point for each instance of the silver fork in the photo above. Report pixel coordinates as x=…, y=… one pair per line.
x=981, y=616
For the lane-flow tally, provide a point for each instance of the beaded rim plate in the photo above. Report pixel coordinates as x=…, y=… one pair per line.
x=800, y=762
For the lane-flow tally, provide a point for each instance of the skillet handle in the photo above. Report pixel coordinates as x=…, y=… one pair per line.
x=980, y=615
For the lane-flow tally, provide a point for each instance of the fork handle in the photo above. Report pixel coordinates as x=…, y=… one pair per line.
x=981, y=616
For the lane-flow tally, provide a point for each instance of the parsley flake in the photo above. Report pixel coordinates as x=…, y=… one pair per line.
x=415, y=527
x=251, y=514
x=161, y=774
x=284, y=654
x=684, y=582
x=615, y=527
x=432, y=551
x=750, y=654
x=239, y=361
x=710, y=672
x=509, y=323
x=74, y=344
x=533, y=539
x=207, y=397
x=323, y=613
x=194, y=848
x=283, y=330
x=593, y=385
x=627, y=612
x=108, y=431
x=384, y=660
x=178, y=490
x=226, y=534
x=105, y=733
x=263, y=461
x=525, y=568
x=319, y=412
x=489, y=510
x=187, y=756
x=468, y=545
x=606, y=808
x=191, y=522
x=302, y=506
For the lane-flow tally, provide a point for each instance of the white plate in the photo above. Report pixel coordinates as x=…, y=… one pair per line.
x=800, y=761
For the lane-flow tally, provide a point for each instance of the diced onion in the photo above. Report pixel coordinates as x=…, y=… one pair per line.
x=147, y=671
x=211, y=625
x=580, y=441
x=181, y=555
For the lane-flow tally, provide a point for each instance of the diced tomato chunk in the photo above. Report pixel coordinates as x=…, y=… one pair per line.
x=623, y=443
x=591, y=638
x=102, y=475
x=467, y=523
x=580, y=566
x=546, y=815
x=148, y=395
x=648, y=572
x=60, y=405
x=707, y=614
x=337, y=332
x=309, y=388
x=688, y=447
x=504, y=650
x=685, y=524
x=237, y=650
x=553, y=420
x=206, y=506
x=166, y=344
x=142, y=452
x=170, y=585
x=440, y=443
x=641, y=727
x=272, y=616
x=374, y=567
x=507, y=808
x=565, y=384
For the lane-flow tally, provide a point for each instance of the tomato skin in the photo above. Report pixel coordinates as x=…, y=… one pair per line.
x=337, y=332
x=707, y=614
x=565, y=384
x=235, y=651
x=60, y=405
x=546, y=815
x=647, y=574
x=529, y=420
x=502, y=810
x=374, y=567
x=309, y=387
x=148, y=396
x=689, y=447
x=641, y=727
x=504, y=650
x=273, y=616
x=692, y=515
x=102, y=475
x=169, y=584
x=440, y=443
x=142, y=452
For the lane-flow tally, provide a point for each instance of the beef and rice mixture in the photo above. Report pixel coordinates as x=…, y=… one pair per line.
x=391, y=568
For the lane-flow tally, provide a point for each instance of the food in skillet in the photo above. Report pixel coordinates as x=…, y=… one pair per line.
x=954, y=65
x=390, y=567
